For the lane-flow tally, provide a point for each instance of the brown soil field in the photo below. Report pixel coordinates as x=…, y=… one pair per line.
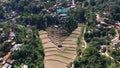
x=59, y=57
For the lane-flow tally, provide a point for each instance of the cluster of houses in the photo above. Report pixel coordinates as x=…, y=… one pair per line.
x=103, y=24
x=15, y=46
x=62, y=12
x=114, y=44
x=58, y=9
x=4, y=36
x=103, y=48
x=12, y=15
x=68, y=3
x=117, y=24
x=8, y=63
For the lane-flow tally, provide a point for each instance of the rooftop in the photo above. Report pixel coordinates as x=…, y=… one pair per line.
x=62, y=11
x=25, y=66
x=16, y=47
x=6, y=65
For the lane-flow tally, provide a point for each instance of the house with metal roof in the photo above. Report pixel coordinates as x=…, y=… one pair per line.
x=62, y=11
x=6, y=65
x=25, y=66
x=103, y=48
x=16, y=47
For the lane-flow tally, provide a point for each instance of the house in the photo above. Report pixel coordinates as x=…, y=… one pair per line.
x=114, y=44
x=1, y=20
x=14, y=13
x=1, y=59
x=68, y=3
x=4, y=36
x=12, y=35
x=16, y=47
x=83, y=45
x=58, y=1
x=63, y=19
x=36, y=0
x=25, y=66
x=51, y=9
x=10, y=61
x=13, y=43
x=106, y=12
x=103, y=25
x=44, y=10
x=56, y=26
x=63, y=15
x=62, y=11
x=1, y=29
x=7, y=65
x=103, y=48
x=97, y=17
x=117, y=23
x=98, y=26
x=72, y=6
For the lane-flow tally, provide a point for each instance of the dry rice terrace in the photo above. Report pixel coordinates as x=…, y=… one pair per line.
x=59, y=57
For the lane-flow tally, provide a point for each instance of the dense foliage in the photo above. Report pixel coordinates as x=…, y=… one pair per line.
x=92, y=59
x=31, y=52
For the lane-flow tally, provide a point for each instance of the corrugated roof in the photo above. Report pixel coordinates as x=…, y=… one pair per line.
x=62, y=10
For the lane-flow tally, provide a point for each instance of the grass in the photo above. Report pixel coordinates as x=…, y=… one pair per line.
x=80, y=36
x=79, y=42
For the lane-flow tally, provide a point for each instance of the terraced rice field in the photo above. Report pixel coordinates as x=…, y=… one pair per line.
x=59, y=57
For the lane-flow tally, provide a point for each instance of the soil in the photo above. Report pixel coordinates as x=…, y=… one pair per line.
x=59, y=57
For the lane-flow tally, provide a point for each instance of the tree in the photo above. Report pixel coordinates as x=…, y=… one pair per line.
x=80, y=15
x=91, y=59
x=115, y=11
x=92, y=2
x=1, y=13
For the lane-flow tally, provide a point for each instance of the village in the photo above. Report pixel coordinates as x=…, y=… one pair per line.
x=56, y=10
x=64, y=45
x=115, y=40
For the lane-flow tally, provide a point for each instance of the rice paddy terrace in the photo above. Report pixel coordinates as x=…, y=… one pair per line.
x=59, y=57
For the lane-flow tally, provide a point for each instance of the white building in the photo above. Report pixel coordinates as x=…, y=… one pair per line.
x=16, y=47
x=25, y=66
x=6, y=65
